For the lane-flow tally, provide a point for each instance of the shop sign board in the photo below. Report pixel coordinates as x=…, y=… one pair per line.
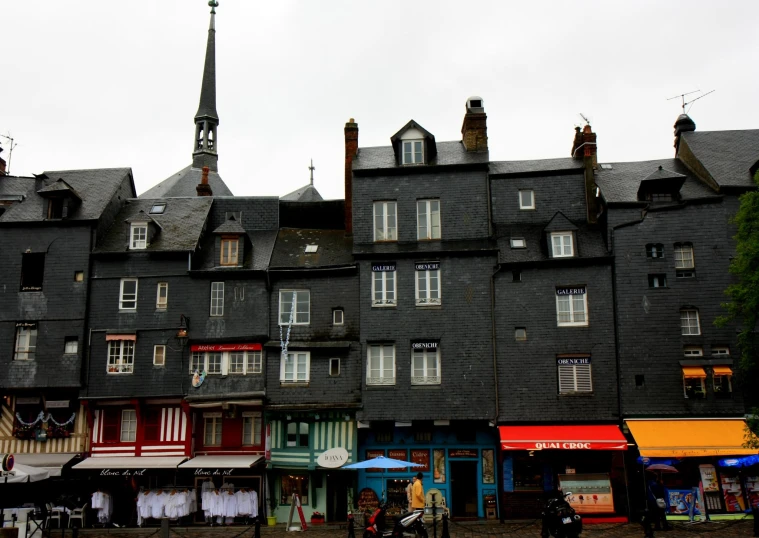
x=462, y=453
x=422, y=457
x=122, y=472
x=398, y=454
x=333, y=458
x=225, y=347
x=563, y=445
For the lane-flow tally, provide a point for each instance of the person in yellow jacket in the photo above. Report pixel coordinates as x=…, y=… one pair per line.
x=417, y=494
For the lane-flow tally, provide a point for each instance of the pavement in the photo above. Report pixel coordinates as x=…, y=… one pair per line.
x=478, y=529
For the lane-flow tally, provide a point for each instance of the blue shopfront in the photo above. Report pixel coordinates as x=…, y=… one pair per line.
x=458, y=465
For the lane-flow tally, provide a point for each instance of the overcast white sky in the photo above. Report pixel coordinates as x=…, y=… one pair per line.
x=116, y=83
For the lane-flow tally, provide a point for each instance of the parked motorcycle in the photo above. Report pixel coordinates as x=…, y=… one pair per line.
x=411, y=523
x=559, y=518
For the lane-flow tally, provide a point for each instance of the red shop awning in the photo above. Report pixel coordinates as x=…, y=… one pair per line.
x=562, y=438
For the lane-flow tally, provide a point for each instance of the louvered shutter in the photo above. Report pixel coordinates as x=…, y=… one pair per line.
x=575, y=378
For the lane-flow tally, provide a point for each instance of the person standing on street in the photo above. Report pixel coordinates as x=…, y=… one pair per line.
x=417, y=493
x=410, y=492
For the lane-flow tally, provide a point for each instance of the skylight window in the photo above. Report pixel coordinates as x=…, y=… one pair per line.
x=310, y=249
x=518, y=243
x=158, y=209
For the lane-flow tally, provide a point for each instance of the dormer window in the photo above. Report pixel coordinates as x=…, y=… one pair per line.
x=55, y=208
x=138, y=236
x=562, y=245
x=229, y=250
x=413, y=152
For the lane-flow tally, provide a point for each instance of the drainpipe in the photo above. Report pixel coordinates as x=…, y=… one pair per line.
x=499, y=458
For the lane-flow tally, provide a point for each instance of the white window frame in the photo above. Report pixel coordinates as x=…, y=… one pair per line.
x=297, y=376
x=385, y=232
x=573, y=313
x=230, y=251
x=655, y=251
x=386, y=353
x=127, y=298
x=424, y=285
x=217, y=299
x=138, y=236
x=715, y=385
x=522, y=206
x=383, y=301
x=332, y=361
x=215, y=421
x=580, y=377
x=159, y=355
x=128, y=427
x=162, y=302
x=518, y=243
x=657, y=280
x=301, y=317
x=121, y=357
x=684, y=256
x=429, y=373
x=520, y=337
x=687, y=317
x=722, y=351
x=338, y=316
x=431, y=229
x=256, y=428
x=693, y=351
x=701, y=382
x=251, y=362
x=26, y=343
x=559, y=251
x=415, y=152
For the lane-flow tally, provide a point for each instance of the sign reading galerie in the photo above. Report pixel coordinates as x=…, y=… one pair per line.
x=333, y=458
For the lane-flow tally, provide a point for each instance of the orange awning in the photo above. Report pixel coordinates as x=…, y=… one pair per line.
x=693, y=371
x=722, y=370
x=688, y=438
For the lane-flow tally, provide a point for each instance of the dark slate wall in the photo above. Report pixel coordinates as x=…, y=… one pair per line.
x=59, y=308
x=552, y=194
x=650, y=339
x=463, y=203
x=124, y=192
x=527, y=372
x=462, y=324
x=328, y=291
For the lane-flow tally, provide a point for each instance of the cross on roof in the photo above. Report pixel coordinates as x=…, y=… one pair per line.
x=312, y=168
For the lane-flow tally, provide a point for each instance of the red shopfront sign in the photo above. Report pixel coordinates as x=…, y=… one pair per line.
x=562, y=438
x=225, y=347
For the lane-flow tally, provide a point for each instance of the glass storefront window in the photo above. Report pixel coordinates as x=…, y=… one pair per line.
x=528, y=474
x=294, y=484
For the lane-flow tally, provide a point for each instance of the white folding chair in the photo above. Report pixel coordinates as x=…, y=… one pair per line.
x=78, y=513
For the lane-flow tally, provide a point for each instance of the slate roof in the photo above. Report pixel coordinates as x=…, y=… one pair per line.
x=448, y=153
x=307, y=193
x=537, y=165
x=95, y=187
x=727, y=155
x=256, y=252
x=181, y=225
x=589, y=242
x=58, y=187
x=231, y=226
x=621, y=183
x=335, y=249
x=560, y=223
x=183, y=183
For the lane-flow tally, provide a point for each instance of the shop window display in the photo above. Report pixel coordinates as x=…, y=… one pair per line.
x=294, y=484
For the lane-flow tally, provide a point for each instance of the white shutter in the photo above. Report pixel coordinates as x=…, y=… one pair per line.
x=575, y=378
x=583, y=378
x=566, y=379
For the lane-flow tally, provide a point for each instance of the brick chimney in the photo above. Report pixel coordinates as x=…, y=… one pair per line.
x=584, y=148
x=474, y=130
x=3, y=169
x=683, y=124
x=203, y=188
x=351, y=149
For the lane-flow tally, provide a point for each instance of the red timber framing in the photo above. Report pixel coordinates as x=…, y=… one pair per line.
x=228, y=429
x=140, y=428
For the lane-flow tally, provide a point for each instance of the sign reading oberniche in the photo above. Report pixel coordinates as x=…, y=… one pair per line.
x=427, y=266
x=572, y=361
x=424, y=344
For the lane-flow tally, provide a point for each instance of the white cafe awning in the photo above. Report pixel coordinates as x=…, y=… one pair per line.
x=230, y=462
x=51, y=463
x=131, y=462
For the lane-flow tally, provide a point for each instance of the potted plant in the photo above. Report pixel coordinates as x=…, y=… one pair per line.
x=271, y=519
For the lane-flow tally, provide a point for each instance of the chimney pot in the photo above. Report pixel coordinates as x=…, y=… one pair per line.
x=351, y=150
x=203, y=188
x=204, y=177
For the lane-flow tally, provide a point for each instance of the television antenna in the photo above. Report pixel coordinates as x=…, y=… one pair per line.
x=13, y=144
x=684, y=103
x=587, y=121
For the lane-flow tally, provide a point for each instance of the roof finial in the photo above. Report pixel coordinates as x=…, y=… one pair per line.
x=214, y=4
x=312, y=168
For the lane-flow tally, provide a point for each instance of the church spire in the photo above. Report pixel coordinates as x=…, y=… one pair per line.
x=207, y=119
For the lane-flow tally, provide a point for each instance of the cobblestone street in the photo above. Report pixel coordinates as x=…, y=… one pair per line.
x=456, y=530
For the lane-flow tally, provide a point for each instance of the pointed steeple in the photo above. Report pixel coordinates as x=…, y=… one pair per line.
x=207, y=119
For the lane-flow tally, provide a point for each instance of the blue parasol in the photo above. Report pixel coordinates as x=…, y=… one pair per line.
x=381, y=462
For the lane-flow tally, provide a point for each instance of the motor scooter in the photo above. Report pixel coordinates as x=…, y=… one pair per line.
x=559, y=518
x=409, y=524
